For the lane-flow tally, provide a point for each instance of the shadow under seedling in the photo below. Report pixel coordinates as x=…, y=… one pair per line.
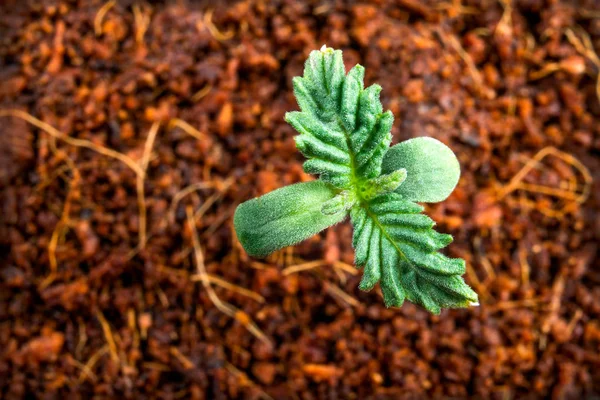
x=345, y=135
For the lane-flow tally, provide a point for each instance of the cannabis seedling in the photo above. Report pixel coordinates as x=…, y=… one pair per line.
x=345, y=135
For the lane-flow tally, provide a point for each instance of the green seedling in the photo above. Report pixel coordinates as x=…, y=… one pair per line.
x=346, y=135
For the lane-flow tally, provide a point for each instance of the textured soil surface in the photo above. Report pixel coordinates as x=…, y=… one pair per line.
x=128, y=128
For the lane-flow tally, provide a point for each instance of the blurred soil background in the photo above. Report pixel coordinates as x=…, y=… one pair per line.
x=130, y=131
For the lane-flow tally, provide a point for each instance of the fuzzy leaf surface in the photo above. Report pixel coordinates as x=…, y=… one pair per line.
x=344, y=132
x=284, y=217
x=398, y=248
x=433, y=169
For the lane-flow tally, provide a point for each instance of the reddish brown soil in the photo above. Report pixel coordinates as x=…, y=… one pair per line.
x=84, y=310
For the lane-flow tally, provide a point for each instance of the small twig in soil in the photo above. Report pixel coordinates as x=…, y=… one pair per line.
x=584, y=46
x=212, y=199
x=221, y=186
x=57, y=55
x=340, y=275
x=222, y=306
x=187, y=364
x=569, y=194
x=489, y=270
x=220, y=220
x=557, y=291
x=556, y=192
x=345, y=267
x=187, y=128
x=200, y=94
x=100, y=16
x=140, y=184
x=47, y=180
x=85, y=370
x=148, y=145
x=162, y=297
x=141, y=21
x=63, y=223
x=303, y=267
x=576, y=317
x=452, y=41
x=574, y=65
x=230, y=286
x=340, y=294
x=214, y=31
x=338, y=267
x=108, y=336
x=92, y=361
x=504, y=26
x=209, y=202
x=206, y=205
x=261, y=266
x=181, y=272
x=558, y=288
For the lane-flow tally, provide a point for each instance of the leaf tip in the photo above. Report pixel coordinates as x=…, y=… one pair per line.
x=365, y=286
x=287, y=117
x=392, y=302
x=326, y=50
x=300, y=143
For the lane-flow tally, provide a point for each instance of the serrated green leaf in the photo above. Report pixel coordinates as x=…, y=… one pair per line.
x=344, y=132
x=398, y=247
x=433, y=170
x=284, y=217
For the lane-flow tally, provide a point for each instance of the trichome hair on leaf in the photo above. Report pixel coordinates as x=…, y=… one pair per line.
x=345, y=135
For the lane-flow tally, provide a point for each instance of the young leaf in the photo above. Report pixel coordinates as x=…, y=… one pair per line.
x=343, y=201
x=284, y=217
x=433, y=169
x=398, y=247
x=383, y=184
x=344, y=132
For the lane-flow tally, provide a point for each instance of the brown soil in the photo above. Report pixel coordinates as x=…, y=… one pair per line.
x=123, y=105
